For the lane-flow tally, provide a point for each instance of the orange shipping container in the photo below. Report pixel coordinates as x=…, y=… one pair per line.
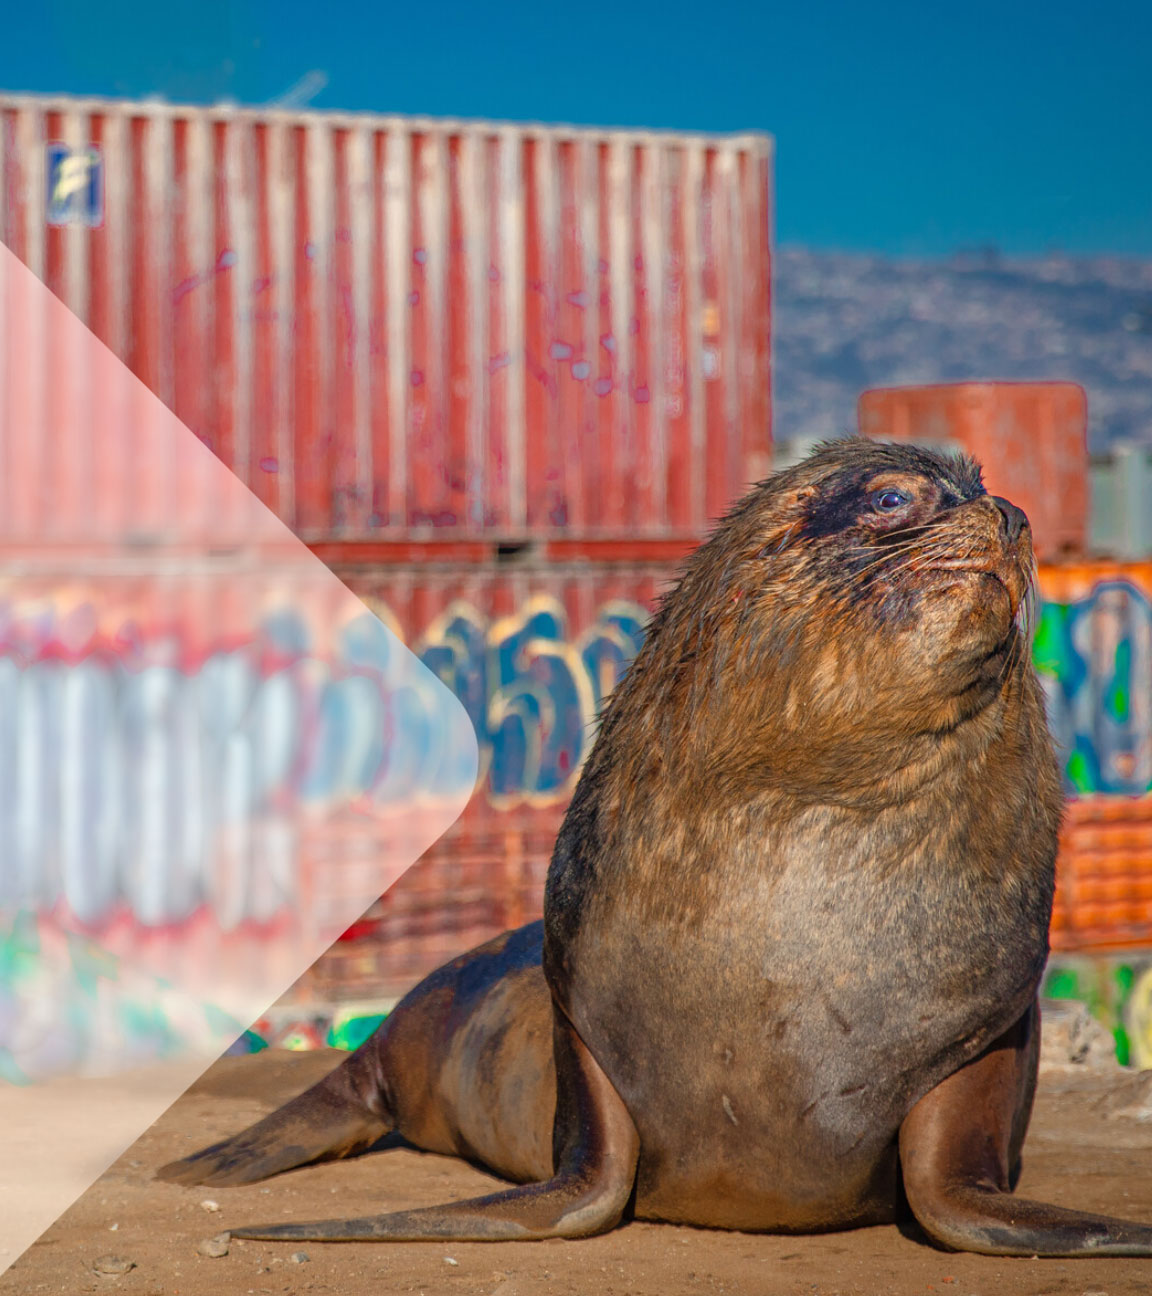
x=1030, y=437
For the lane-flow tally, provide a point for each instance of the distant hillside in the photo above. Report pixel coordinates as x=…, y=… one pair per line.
x=847, y=322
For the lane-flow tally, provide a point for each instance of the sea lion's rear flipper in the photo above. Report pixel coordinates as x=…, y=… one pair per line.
x=596, y=1149
x=330, y=1120
x=959, y=1153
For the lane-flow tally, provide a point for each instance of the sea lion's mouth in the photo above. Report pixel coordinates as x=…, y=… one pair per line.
x=1007, y=575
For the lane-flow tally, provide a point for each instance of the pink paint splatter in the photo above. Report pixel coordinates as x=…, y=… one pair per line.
x=185, y=286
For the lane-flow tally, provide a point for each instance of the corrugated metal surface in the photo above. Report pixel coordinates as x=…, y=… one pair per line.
x=467, y=889
x=387, y=326
x=1031, y=439
x=1120, y=501
x=1104, y=891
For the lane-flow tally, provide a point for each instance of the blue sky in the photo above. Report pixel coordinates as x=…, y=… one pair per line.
x=903, y=128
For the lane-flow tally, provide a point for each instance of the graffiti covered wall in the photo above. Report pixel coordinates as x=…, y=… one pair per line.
x=527, y=677
x=532, y=688
x=125, y=747
x=201, y=776
x=1093, y=650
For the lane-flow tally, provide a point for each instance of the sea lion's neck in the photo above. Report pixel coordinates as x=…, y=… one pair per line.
x=793, y=755
x=983, y=795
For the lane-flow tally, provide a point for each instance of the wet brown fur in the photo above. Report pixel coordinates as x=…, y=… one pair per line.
x=797, y=912
x=821, y=716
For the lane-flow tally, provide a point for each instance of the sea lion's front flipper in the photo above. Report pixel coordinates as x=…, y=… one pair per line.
x=959, y=1153
x=596, y=1148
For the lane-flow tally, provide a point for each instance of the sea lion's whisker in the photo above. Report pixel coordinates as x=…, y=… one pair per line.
x=893, y=552
x=929, y=541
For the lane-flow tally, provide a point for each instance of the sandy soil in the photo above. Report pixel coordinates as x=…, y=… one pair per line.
x=1090, y=1146
x=90, y=1121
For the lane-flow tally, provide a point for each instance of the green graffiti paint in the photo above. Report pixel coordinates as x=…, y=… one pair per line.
x=1123, y=1046
x=1061, y=983
x=1117, y=990
x=10, y=1072
x=350, y=1034
x=1048, y=647
x=91, y=963
x=248, y=1041
x=148, y=1023
x=221, y=1022
x=1117, y=696
x=20, y=949
x=1079, y=772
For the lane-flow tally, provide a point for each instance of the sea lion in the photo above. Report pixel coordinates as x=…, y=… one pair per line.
x=796, y=916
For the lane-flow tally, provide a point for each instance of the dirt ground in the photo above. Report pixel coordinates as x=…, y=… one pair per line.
x=1090, y=1147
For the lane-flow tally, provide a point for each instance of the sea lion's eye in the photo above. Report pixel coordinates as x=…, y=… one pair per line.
x=889, y=500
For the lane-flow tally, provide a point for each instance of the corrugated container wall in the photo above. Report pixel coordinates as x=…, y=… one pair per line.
x=390, y=328
x=1032, y=439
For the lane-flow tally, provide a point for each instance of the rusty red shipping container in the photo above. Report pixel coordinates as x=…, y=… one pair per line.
x=1030, y=437
x=391, y=328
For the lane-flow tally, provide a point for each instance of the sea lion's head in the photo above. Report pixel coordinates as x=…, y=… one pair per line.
x=927, y=576
x=846, y=617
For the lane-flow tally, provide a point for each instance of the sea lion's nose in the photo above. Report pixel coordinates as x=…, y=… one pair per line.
x=1015, y=519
